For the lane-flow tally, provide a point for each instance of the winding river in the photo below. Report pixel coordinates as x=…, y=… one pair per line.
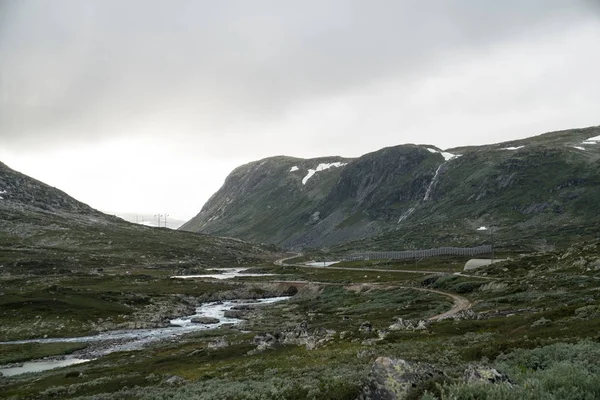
x=133, y=339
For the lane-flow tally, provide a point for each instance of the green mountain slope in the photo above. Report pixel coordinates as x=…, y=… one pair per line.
x=42, y=230
x=535, y=192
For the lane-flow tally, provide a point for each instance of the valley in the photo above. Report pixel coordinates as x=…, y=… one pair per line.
x=277, y=309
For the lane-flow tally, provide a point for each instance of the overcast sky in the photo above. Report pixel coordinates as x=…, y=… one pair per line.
x=146, y=106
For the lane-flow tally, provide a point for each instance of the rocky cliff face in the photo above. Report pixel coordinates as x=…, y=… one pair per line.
x=529, y=186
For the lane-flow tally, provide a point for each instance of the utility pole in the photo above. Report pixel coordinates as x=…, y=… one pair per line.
x=158, y=217
x=492, y=241
x=166, y=215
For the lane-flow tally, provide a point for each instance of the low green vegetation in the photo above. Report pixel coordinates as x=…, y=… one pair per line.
x=534, y=320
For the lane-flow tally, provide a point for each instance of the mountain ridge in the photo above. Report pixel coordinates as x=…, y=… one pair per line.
x=539, y=182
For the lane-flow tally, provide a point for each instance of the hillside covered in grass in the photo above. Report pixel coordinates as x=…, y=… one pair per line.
x=537, y=193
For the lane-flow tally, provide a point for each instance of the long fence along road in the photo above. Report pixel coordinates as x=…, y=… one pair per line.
x=460, y=303
x=412, y=254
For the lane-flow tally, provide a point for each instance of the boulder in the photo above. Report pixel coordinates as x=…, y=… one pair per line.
x=234, y=314
x=205, y=320
x=392, y=379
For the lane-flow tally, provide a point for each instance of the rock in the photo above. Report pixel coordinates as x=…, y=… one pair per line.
x=218, y=343
x=407, y=325
x=392, y=379
x=74, y=374
x=244, y=307
x=174, y=380
x=481, y=374
x=541, y=322
x=234, y=314
x=365, y=327
x=467, y=315
x=205, y=320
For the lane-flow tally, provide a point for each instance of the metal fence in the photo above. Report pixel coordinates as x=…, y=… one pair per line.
x=412, y=254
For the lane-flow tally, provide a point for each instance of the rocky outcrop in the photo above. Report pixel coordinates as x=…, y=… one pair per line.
x=301, y=335
x=392, y=379
x=410, y=325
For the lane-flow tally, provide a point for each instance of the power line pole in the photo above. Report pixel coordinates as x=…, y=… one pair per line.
x=166, y=215
x=158, y=217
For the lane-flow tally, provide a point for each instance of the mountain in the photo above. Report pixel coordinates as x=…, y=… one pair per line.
x=42, y=229
x=535, y=192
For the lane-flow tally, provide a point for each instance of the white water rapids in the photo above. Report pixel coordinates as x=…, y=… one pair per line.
x=134, y=339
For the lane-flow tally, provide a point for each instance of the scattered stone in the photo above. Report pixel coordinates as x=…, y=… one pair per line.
x=205, y=320
x=467, y=315
x=365, y=327
x=299, y=336
x=410, y=325
x=481, y=374
x=174, y=380
x=218, y=343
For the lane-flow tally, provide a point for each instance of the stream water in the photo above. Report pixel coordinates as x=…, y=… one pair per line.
x=228, y=273
x=133, y=339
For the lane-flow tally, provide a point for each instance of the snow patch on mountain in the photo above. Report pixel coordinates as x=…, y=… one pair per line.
x=513, y=148
x=579, y=148
x=447, y=156
x=2, y=192
x=321, y=167
x=294, y=168
x=592, y=140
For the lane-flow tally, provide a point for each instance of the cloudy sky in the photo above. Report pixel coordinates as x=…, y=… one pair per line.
x=145, y=106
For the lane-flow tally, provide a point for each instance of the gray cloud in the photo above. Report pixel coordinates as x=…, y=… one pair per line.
x=84, y=71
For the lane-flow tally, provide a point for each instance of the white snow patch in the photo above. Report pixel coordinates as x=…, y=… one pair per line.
x=320, y=263
x=482, y=228
x=294, y=168
x=579, y=148
x=593, y=139
x=321, y=167
x=2, y=192
x=513, y=148
x=447, y=156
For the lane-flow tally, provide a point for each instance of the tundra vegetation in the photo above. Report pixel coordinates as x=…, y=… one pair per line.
x=531, y=332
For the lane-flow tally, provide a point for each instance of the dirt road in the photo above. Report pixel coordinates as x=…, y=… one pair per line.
x=460, y=303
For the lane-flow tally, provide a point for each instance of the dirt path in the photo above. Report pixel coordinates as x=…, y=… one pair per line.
x=460, y=303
